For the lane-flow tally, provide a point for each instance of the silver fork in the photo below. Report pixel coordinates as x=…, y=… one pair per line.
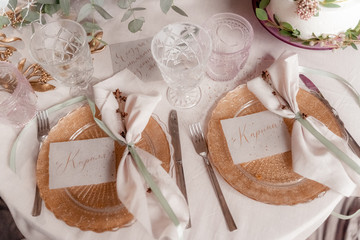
x=198, y=139
x=43, y=128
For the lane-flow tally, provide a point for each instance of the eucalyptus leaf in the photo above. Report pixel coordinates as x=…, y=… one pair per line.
x=127, y=15
x=138, y=9
x=84, y=12
x=4, y=21
x=296, y=33
x=263, y=4
x=135, y=25
x=51, y=8
x=287, y=26
x=47, y=1
x=102, y=12
x=357, y=28
x=125, y=4
x=330, y=5
x=285, y=33
x=354, y=36
x=90, y=27
x=261, y=14
x=354, y=46
x=12, y=4
x=165, y=5
x=29, y=15
x=98, y=2
x=65, y=6
x=179, y=10
x=329, y=1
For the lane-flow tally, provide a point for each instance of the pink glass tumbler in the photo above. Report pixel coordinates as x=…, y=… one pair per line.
x=17, y=98
x=231, y=35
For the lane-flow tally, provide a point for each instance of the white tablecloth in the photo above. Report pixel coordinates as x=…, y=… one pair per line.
x=255, y=220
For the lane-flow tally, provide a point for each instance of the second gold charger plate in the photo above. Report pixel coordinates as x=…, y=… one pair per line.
x=270, y=180
x=93, y=207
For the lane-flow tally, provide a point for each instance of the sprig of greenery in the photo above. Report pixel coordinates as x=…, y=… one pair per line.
x=36, y=9
x=136, y=23
x=285, y=28
x=330, y=3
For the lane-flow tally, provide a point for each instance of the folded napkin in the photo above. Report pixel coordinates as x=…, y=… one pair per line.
x=311, y=158
x=131, y=187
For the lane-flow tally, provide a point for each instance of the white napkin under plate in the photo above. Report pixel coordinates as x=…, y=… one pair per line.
x=310, y=157
x=131, y=186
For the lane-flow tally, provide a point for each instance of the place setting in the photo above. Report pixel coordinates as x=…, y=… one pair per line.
x=138, y=155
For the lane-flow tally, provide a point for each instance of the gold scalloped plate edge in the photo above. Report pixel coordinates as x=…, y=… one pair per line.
x=269, y=180
x=75, y=205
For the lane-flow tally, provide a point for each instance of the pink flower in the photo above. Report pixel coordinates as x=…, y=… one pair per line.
x=307, y=8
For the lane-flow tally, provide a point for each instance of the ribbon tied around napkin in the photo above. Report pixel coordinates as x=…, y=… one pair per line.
x=315, y=149
x=163, y=212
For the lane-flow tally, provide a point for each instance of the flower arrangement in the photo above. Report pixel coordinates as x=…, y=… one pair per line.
x=29, y=11
x=305, y=10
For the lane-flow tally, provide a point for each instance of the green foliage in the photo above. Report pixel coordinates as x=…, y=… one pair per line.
x=136, y=25
x=260, y=11
x=12, y=4
x=165, y=5
x=85, y=11
x=90, y=27
x=65, y=6
x=4, y=21
x=179, y=10
x=330, y=3
x=50, y=7
x=264, y=3
x=102, y=11
x=261, y=14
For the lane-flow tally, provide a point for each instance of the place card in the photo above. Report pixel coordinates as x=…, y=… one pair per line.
x=83, y=162
x=256, y=136
x=135, y=56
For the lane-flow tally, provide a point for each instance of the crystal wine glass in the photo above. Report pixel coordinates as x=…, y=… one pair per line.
x=61, y=48
x=181, y=51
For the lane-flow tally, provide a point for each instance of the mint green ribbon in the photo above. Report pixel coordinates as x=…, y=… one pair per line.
x=345, y=217
x=334, y=149
x=142, y=169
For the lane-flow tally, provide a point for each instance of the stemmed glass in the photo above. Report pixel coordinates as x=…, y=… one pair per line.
x=181, y=51
x=61, y=48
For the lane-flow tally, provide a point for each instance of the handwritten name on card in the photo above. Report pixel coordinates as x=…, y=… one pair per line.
x=137, y=57
x=256, y=136
x=83, y=162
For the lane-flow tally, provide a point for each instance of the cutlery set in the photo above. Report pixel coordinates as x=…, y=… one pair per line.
x=198, y=139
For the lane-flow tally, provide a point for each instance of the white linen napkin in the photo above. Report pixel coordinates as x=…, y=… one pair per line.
x=131, y=187
x=310, y=157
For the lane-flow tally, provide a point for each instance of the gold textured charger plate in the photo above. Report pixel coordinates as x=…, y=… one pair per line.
x=93, y=207
x=271, y=179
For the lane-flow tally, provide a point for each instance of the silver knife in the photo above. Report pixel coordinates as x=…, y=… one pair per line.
x=175, y=139
x=310, y=85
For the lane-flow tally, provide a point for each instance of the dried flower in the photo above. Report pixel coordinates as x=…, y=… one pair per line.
x=265, y=75
x=307, y=8
x=121, y=105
